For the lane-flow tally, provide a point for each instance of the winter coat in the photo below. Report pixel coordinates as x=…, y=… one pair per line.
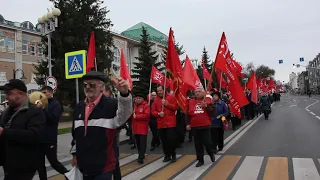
x=169, y=119
x=141, y=122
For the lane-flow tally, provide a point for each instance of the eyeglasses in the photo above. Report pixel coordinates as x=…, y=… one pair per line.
x=91, y=84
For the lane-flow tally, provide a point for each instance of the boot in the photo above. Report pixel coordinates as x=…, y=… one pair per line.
x=200, y=163
x=166, y=159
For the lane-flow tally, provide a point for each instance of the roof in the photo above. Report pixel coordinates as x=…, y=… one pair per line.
x=26, y=25
x=135, y=32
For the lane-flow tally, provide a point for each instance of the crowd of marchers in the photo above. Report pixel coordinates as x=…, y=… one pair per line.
x=28, y=132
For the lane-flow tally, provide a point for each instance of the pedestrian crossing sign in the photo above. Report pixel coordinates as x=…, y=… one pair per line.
x=75, y=64
x=281, y=61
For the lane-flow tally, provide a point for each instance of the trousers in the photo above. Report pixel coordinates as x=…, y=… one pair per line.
x=168, y=140
x=202, y=138
x=50, y=151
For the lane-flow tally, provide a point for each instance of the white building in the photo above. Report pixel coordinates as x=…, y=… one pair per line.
x=293, y=81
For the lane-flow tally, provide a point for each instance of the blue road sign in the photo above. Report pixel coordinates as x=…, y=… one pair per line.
x=280, y=61
x=301, y=59
x=75, y=64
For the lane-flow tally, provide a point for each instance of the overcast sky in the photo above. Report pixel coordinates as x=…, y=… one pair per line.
x=261, y=31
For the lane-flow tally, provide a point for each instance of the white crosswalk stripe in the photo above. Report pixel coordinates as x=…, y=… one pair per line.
x=304, y=168
x=249, y=168
x=225, y=167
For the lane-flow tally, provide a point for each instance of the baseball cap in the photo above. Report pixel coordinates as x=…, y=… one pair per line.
x=14, y=84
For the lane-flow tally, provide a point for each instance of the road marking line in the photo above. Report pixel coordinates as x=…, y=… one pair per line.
x=293, y=105
x=305, y=100
x=223, y=169
x=226, y=147
x=308, y=110
x=194, y=172
x=312, y=113
x=304, y=168
x=294, y=100
x=277, y=168
x=249, y=169
x=173, y=168
x=237, y=132
x=312, y=103
x=128, y=159
x=133, y=166
x=242, y=127
x=145, y=171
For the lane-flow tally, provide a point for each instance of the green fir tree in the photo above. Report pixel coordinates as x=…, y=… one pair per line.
x=76, y=22
x=142, y=70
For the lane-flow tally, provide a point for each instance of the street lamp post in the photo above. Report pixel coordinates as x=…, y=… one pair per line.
x=48, y=24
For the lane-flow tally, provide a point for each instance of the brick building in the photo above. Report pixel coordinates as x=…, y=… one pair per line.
x=20, y=49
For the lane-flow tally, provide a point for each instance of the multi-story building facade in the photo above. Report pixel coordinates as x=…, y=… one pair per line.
x=20, y=49
x=293, y=81
x=313, y=69
x=303, y=82
x=129, y=41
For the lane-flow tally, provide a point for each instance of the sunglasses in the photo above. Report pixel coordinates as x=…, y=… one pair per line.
x=90, y=84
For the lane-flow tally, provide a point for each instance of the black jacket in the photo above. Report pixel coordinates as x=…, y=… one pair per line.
x=96, y=150
x=21, y=137
x=53, y=115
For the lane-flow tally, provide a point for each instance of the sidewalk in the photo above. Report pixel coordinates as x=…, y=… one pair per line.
x=63, y=125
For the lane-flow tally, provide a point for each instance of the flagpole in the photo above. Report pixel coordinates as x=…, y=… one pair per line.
x=220, y=82
x=205, y=84
x=150, y=91
x=164, y=88
x=96, y=65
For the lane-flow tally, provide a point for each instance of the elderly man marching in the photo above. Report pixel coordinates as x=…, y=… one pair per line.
x=94, y=126
x=140, y=123
x=199, y=124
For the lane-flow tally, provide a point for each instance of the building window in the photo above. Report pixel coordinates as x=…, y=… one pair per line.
x=2, y=40
x=25, y=47
x=10, y=45
x=40, y=50
x=116, y=56
x=32, y=49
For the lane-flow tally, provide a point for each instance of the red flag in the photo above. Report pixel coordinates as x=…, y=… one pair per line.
x=174, y=67
x=238, y=68
x=220, y=78
x=91, y=53
x=190, y=76
x=124, y=71
x=252, y=85
x=222, y=54
x=271, y=83
x=205, y=72
x=224, y=63
x=169, y=84
x=156, y=76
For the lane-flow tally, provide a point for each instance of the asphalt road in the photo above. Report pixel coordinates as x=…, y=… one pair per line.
x=186, y=148
x=291, y=131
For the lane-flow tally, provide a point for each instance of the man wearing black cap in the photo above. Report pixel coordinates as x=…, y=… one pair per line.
x=21, y=125
x=94, y=126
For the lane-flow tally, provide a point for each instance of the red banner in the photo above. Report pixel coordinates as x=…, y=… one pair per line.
x=174, y=67
x=224, y=63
